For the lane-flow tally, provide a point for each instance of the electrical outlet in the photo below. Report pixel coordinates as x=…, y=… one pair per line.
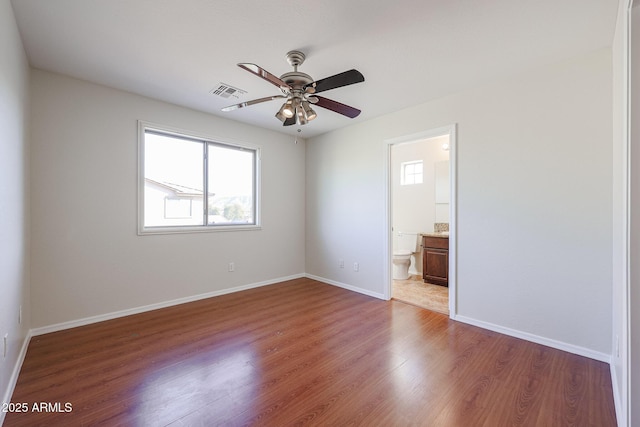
x=232, y=266
x=356, y=266
x=5, y=343
x=341, y=263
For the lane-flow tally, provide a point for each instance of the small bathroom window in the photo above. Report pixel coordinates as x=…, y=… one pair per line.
x=411, y=172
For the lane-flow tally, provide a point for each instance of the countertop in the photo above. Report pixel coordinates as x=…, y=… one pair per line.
x=442, y=235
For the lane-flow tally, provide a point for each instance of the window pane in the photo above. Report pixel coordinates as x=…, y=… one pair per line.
x=417, y=173
x=411, y=173
x=173, y=181
x=178, y=208
x=231, y=185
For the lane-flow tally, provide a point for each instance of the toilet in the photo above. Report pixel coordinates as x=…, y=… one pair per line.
x=404, y=246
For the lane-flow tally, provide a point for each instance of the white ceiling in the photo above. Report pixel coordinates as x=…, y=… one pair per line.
x=410, y=51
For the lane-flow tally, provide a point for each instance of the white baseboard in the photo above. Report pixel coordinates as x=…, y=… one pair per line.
x=136, y=310
x=345, y=286
x=13, y=380
x=570, y=348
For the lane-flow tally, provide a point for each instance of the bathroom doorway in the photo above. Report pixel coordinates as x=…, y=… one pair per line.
x=421, y=199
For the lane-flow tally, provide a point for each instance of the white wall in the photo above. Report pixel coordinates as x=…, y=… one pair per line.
x=87, y=259
x=14, y=188
x=534, y=201
x=414, y=205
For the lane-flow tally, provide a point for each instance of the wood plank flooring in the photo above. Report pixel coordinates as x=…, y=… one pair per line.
x=304, y=353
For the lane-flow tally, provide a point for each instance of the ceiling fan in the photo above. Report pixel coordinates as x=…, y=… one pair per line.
x=300, y=90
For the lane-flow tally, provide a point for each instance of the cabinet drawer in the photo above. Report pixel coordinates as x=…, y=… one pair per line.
x=435, y=242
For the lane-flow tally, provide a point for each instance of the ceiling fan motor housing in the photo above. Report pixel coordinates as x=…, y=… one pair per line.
x=297, y=81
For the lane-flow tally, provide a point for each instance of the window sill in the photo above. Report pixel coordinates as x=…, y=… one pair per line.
x=196, y=229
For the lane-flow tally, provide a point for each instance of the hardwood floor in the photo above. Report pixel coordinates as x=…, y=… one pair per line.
x=304, y=353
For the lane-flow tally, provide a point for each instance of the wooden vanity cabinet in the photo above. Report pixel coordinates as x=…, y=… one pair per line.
x=435, y=260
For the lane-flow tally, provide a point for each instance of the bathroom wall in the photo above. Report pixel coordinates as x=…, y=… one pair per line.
x=414, y=205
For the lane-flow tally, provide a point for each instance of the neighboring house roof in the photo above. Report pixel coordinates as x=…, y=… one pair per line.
x=177, y=189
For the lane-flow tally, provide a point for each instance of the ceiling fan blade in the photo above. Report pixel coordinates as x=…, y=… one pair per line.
x=290, y=121
x=338, y=107
x=264, y=74
x=343, y=79
x=255, y=101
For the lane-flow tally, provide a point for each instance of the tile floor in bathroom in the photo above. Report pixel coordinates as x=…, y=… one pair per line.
x=414, y=291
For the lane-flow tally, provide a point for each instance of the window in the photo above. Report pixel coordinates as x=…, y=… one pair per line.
x=411, y=173
x=190, y=183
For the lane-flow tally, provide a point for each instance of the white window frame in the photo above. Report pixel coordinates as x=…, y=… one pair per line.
x=403, y=172
x=207, y=228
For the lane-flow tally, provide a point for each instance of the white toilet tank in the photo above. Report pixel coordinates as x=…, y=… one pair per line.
x=405, y=242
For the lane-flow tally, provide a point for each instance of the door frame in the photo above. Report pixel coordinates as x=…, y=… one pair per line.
x=629, y=349
x=449, y=130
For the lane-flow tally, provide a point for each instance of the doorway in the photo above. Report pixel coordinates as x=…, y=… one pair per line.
x=420, y=189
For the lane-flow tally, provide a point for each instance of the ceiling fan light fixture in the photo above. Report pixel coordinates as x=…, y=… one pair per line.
x=288, y=110
x=280, y=115
x=302, y=117
x=299, y=111
x=309, y=113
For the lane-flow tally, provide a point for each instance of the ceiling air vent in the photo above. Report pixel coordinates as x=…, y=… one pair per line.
x=226, y=91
